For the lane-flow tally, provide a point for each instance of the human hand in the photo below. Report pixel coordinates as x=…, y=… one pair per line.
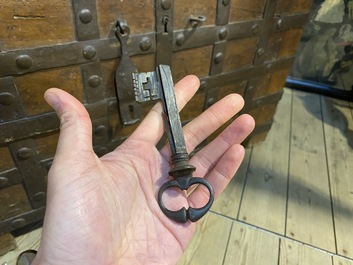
x=104, y=210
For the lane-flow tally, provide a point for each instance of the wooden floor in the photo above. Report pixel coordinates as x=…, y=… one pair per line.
x=292, y=200
x=290, y=203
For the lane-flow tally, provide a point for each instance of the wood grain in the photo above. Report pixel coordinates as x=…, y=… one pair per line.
x=293, y=253
x=309, y=216
x=246, y=10
x=183, y=11
x=193, y=61
x=229, y=201
x=248, y=245
x=31, y=87
x=25, y=24
x=338, y=128
x=14, y=201
x=239, y=53
x=265, y=193
x=210, y=242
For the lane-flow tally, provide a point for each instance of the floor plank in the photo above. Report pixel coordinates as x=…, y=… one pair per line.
x=228, y=203
x=338, y=127
x=341, y=261
x=309, y=213
x=264, y=199
x=25, y=242
x=295, y=253
x=248, y=245
x=210, y=242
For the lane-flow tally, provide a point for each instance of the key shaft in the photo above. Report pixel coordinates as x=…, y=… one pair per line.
x=159, y=85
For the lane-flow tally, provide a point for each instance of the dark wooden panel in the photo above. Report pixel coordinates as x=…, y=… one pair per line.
x=6, y=159
x=246, y=10
x=183, y=11
x=139, y=14
x=14, y=201
x=31, y=87
x=193, y=61
x=35, y=23
x=239, y=53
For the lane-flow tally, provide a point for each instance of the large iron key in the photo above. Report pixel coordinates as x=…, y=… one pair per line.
x=159, y=85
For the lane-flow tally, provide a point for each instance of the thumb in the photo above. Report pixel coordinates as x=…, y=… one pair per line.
x=75, y=138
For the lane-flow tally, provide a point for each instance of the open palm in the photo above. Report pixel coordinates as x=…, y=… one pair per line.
x=104, y=210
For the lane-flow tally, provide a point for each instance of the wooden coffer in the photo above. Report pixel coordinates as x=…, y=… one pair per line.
x=238, y=46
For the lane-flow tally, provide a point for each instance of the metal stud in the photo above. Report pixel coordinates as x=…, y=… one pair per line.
x=225, y=2
x=89, y=52
x=145, y=44
x=6, y=98
x=85, y=16
x=166, y=4
x=94, y=80
x=24, y=153
x=24, y=61
x=101, y=130
x=3, y=181
x=255, y=29
x=260, y=52
x=218, y=58
x=279, y=23
x=180, y=39
x=17, y=223
x=223, y=33
x=101, y=151
x=39, y=196
x=211, y=101
x=203, y=85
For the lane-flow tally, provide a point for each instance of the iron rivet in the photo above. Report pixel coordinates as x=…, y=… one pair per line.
x=211, y=101
x=279, y=23
x=268, y=68
x=260, y=52
x=225, y=2
x=203, y=85
x=223, y=33
x=113, y=106
x=94, y=80
x=24, y=61
x=218, y=58
x=3, y=181
x=89, y=52
x=39, y=196
x=145, y=44
x=102, y=151
x=24, y=153
x=6, y=98
x=48, y=165
x=251, y=88
x=18, y=222
x=85, y=16
x=100, y=131
x=180, y=39
x=166, y=4
x=255, y=29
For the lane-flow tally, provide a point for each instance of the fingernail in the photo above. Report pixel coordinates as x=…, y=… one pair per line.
x=52, y=99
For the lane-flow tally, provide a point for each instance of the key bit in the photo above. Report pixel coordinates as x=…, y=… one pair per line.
x=159, y=85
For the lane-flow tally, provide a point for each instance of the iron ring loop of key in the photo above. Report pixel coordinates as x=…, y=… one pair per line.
x=183, y=215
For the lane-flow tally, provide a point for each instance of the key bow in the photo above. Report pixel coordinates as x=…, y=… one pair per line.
x=183, y=215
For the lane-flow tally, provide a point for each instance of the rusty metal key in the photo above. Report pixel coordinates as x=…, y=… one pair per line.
x=159, y=85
